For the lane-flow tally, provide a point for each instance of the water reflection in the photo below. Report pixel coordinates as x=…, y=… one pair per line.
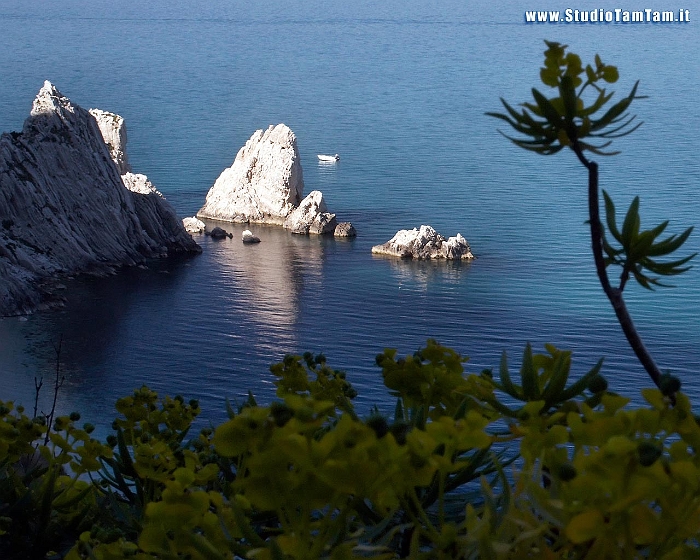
x=419, y=274
x=267, y=280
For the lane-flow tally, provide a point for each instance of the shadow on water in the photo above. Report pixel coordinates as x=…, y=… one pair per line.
x=207, y=326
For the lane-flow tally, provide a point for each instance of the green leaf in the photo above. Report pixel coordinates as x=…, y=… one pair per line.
x=127, y=465
x=585, y=526
x=548, y=110
x=398, y=411
x=560, y=375
x=550, y=76
x=670, y=244
x=504, y=376
x=616, y=110
x=579, y=386
x=630, y=226
x=528, y=376
x=610, y=74
x=590, y=74
x=640, y=246
x=601, y=100
x=610, y=217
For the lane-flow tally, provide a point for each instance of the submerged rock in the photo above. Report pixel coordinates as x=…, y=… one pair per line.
x=425, y=243
x=311, y=216
x=193, y=225
x=248, y=237
x=66, y=208
x=264, y=184
x=345, y=229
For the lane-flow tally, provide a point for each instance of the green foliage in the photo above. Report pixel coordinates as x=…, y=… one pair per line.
x=45, y=499
x=555, y=123
x=638, y=247
x=305, y=477
x=551, y=124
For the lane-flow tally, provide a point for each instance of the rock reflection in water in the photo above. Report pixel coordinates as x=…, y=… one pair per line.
x=267, y=279
x=419, y=274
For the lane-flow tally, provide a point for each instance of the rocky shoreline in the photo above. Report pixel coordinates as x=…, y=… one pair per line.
x=70, y=203
x=67, y=207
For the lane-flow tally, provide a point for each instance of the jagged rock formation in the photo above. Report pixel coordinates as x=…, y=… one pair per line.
x=264, y=184
x=311, y=216
x=424, y=243
x=113, y=132
x=65, y=208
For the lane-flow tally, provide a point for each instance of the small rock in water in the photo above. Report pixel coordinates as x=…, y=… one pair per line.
x=425, y=243
x=248, y=237
x=219, y=233
x=345, y=229
x=193, y=225
x=311, y=216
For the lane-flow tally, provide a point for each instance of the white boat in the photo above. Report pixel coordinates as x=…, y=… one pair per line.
x=321, y=157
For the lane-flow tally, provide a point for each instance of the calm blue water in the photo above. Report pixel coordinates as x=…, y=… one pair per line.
x=399, y=89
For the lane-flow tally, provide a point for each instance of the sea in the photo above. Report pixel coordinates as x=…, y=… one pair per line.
x=400, y=90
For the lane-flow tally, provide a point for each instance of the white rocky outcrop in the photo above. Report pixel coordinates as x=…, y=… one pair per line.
x=264, y=184
x=66, y=209
x=425, y=243
x=193, y=225
x=113, y=131
x=311, y=216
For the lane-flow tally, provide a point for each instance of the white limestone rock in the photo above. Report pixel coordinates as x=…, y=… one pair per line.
x=248, y=237
x=311, y=216
x=264, y=184
x=193, y=225
x=65, y=208
x=113, y=132
x=457, y=248
x=424, y=243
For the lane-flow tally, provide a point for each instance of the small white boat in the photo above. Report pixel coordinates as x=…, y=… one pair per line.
x=321, y=157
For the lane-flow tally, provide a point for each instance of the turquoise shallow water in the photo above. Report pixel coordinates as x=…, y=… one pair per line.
x=400, y=91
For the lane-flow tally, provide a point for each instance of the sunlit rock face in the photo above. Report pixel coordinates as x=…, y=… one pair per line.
x=311, y=216
x=425, y=243
x=264, y=184
x=113, y=131
x=65, y=208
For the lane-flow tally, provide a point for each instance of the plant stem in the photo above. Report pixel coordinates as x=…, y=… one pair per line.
x=614, y=294
x=57, y=385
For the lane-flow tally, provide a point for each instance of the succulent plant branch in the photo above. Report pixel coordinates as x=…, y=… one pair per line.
x=614, y=294
x=553, y=124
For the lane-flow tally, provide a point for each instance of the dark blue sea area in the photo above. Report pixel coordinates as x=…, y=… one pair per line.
x=399, y=90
